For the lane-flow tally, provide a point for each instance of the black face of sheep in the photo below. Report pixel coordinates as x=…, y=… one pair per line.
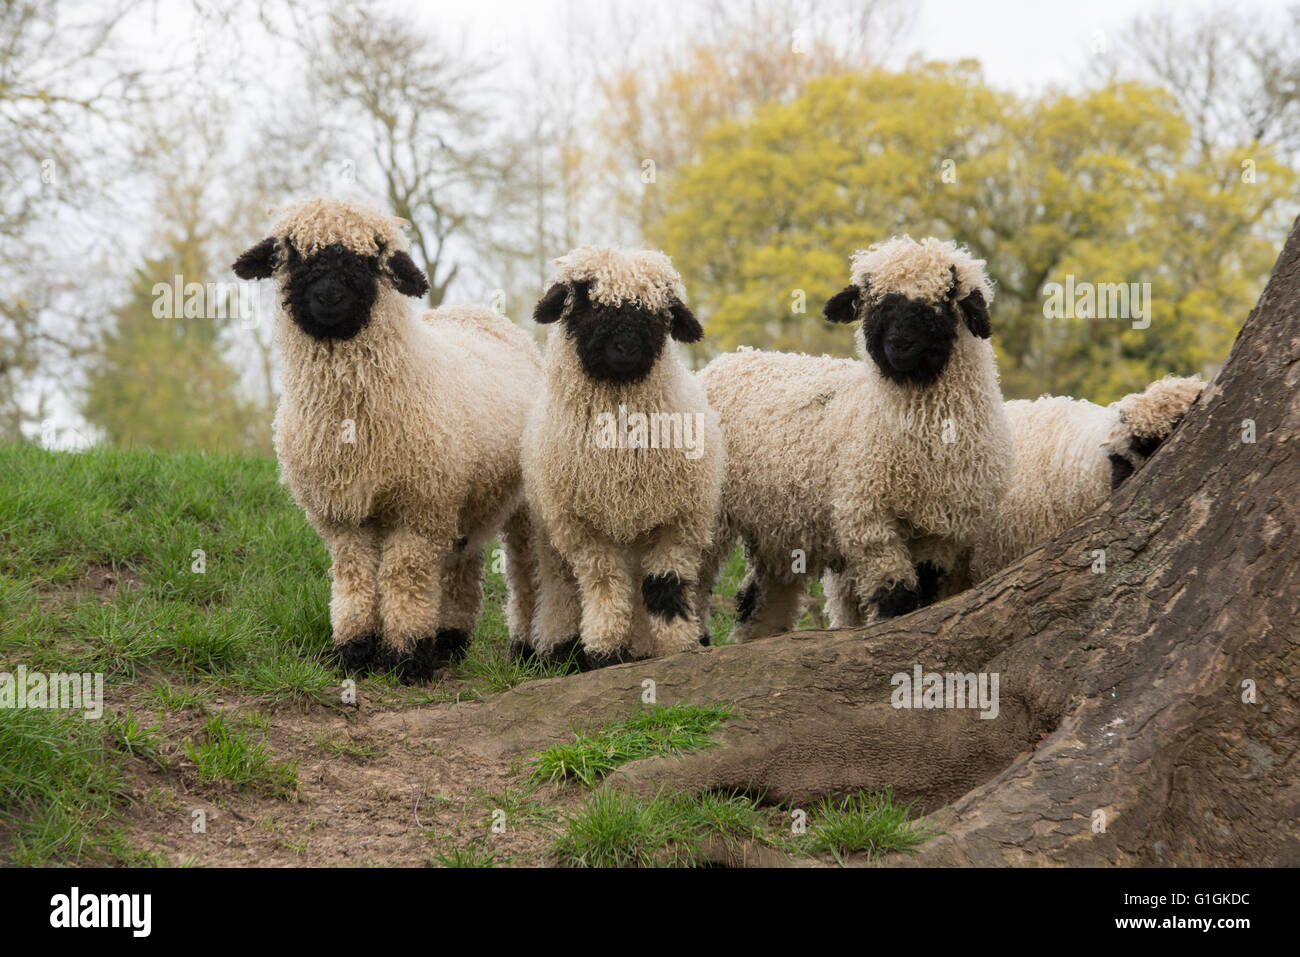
x=329, y=293
x=615, y=343
x=911, y=340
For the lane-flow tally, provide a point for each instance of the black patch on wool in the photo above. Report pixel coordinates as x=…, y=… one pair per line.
x=451, y=645
x=329, y=294
x=910, y=340
x=411, y=667
x=1120, y=469
x=664, y=596
x=357, y=655
x=746, y=602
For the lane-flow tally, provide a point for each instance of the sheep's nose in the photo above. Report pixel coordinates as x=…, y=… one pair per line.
x=619, y=351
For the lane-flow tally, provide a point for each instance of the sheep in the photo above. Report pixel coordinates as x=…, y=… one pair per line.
x=398, y=435
x=883, y=467
x=1070, y=454
x=622, y=457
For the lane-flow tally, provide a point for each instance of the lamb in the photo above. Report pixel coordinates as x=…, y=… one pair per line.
x=883, y=467
x=1070, y=455
x=398, y=435
x=622, y=457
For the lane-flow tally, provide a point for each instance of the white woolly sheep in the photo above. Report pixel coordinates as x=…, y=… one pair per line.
x=622, y=457
x=1070, y=454
x=883, y=467
x=397, y=434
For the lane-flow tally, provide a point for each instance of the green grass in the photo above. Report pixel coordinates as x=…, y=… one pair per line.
x=867, y=823
x=170, y=639
x=227, y=753
x=60, y=790
x=616, y=829
x=591, y=755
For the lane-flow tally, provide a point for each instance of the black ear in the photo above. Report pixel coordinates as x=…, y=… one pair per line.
x=685, y=327
x=258, y=262
x=843, y=306
x=976, y=314
x=551, y=306
x=408, y=278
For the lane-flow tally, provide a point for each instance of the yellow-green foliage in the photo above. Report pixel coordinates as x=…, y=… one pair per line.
x=1105, y=185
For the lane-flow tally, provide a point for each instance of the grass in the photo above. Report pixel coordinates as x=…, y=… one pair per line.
x=863, y=822
x=60, y=790
x=228, y=753
x=616, y=829
x=221, y=593
x=676, y=729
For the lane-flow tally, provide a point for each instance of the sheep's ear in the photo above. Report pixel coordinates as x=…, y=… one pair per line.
x=843, y=306
x=551, y=306
x=258, y=262
x=408, y=278
x=976, y=313
x=685, y=327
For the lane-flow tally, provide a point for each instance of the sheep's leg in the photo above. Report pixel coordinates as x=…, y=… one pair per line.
x=410, y=600
x=521, y=580
x=462, y=588
x=879, y=562
x=556, y=623
x=668, y=567
x=354, y=591
x=706, y=577
x=606, y=589
x=767, y=603
x=842, y=605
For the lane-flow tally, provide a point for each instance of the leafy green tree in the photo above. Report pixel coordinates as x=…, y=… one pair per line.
x=1103, y=186
x=160, y=377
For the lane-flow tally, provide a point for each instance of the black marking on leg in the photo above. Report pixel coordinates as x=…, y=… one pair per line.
x=451, y=645
x=706, y=639
x=746, y=602
x=927, y=582
x=898, y=600
x=567, y=652
x=461, y=543
x=665, y=596
x=356, y=655
x=1120, y=469
x=591, y=661
x=414, y=665
x=521, y=652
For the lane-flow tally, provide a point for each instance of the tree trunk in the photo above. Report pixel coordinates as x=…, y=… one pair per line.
x=1126, y=733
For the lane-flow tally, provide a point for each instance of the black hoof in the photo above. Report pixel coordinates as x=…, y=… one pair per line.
x=566, y=653
x=452, y=643
x=414, y=665
x=521, y=652
x=591, y=661
x=902, y=599
x=357, y=655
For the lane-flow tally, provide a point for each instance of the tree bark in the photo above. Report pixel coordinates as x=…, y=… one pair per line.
x=1125, y=733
